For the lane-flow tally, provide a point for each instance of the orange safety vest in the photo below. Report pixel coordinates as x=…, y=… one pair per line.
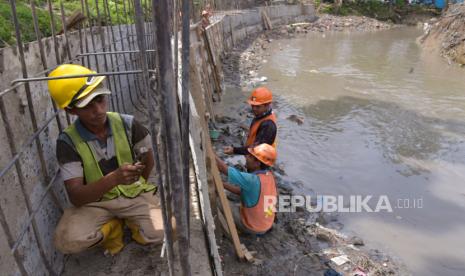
x=256, y=218
x=254, y=128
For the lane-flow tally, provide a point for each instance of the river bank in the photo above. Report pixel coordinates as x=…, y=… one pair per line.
x=445, y=35
x=300, y=243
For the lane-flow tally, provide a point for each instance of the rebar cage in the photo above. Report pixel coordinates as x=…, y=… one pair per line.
x=120, y=42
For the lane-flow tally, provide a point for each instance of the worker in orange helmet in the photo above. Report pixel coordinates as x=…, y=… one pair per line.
x=205, y=19
x=263, y=128
x=256, y=188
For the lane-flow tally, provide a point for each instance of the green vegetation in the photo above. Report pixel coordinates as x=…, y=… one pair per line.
x=24, y=13
x=378, y=9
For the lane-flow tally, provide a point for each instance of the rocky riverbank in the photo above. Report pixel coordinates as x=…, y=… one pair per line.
x=301, y=242
x=446, y=35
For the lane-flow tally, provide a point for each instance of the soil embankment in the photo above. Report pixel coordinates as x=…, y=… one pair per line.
x=446, y=35
x=301, y=242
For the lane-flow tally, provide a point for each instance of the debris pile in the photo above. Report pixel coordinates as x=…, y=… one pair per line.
x=447, y=35
x=339, y=23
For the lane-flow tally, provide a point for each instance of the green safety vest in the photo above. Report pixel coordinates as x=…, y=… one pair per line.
x=92, y=171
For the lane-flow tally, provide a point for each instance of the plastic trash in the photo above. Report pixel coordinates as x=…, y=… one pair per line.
x=340, y=260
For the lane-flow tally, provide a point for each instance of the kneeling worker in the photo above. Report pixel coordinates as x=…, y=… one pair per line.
x=256, y=188
x=97, y=155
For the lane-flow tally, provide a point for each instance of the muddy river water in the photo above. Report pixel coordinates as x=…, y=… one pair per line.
x=381, y=118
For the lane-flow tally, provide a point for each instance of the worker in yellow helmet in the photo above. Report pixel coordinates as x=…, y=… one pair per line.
x=105, y=159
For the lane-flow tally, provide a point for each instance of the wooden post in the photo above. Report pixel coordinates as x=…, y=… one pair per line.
x=224, y=202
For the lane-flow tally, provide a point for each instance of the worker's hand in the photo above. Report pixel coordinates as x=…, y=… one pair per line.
x=128, y=173
x=228, y=150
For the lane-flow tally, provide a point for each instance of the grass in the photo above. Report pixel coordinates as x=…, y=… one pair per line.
x=24, y=13
x=377, y=9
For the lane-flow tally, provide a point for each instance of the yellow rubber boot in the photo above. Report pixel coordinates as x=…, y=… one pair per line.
x=135, y=232
x=113, y=236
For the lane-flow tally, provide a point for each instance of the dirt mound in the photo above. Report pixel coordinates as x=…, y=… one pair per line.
x=447, y=35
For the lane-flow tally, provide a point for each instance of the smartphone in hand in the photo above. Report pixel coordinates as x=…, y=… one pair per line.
x=141, y=155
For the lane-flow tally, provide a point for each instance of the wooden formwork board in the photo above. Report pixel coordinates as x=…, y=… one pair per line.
x=203, y=73
x=216, y=185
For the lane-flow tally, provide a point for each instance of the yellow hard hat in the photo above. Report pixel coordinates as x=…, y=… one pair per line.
x=67, y=91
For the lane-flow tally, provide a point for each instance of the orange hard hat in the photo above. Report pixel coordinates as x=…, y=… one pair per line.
x=264, y=153
x=260, y=95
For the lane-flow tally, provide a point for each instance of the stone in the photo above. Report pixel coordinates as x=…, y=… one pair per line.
x=321, y=236
x=356, y=241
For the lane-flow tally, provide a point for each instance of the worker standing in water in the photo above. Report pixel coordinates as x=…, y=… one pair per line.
x=263, y=128
x=105, y=159
x=256, y=188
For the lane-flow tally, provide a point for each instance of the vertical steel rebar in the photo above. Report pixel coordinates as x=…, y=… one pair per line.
x=151, y=113
x=6, y=229
x=91, y=30
x=139, y=91
x=53, y=29
x=113, y=61
x=104, y=46
x=42, y=55
x=162, y=142
x=111, y=44
x=65, y=30
x=173, y=132
x=86, y=42
x=185, y=107
x=44, y=65
x=130, y=44
x=55, y=42
x=123, y=48
x=38, y=144
x=175, y=44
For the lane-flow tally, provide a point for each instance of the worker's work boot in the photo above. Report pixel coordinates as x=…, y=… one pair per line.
x=112, y=236
x=135, y=232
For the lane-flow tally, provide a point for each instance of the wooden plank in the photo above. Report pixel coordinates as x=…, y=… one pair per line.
x=208, y=87
x=247, y=254
x=216, y=73
x=197, y=145
x=267, y=21
x=218, y=183
x=199, y=101
x=224, y=202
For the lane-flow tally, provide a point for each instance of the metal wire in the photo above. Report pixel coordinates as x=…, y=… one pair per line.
x=132, y=59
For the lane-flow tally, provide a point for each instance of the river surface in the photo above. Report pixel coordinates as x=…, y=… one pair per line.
x=381, y=118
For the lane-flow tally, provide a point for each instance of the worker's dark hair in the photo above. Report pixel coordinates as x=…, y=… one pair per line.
x=262, y=165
